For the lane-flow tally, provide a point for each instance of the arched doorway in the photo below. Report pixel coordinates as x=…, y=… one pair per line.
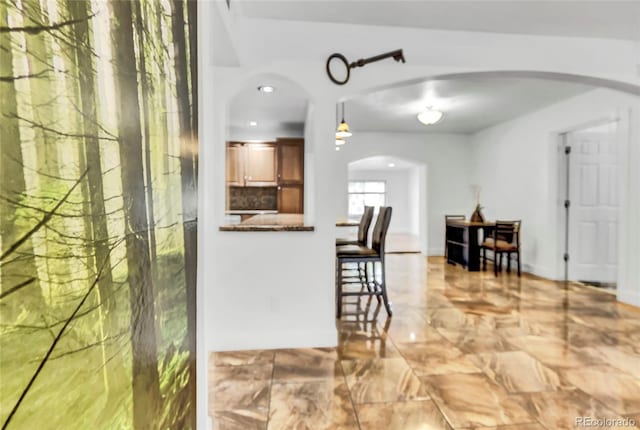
x=389, y=180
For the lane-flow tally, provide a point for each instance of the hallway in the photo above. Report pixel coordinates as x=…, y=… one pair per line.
x=463, y=350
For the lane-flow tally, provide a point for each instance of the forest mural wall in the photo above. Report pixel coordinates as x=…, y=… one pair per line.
x=98, y=217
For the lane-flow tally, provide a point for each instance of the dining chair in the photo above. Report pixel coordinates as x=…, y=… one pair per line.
x=505, y=239
x=362, y=254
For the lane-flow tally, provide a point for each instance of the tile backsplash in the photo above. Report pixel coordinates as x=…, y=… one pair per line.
x=253, y=198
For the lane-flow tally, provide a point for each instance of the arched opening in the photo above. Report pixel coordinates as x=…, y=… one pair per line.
x=507, y=126
x=265, y=152
x=387, y=180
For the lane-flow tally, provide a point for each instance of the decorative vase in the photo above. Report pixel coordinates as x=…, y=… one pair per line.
x=477, y=216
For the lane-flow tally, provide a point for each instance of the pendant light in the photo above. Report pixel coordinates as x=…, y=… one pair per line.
x=430, y=116
x=343, y=127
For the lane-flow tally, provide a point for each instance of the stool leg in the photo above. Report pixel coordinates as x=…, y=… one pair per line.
x=495, y=263
x=508, y=262
x=339, y=289
x=373, y=281
x=383, y=287
x=518, y=255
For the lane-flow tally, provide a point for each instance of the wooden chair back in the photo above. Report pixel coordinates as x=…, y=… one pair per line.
x=508, y=231
x=365, y=224
x=380, y=230
x=455, y=217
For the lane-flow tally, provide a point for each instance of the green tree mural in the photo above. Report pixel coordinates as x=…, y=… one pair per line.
x=98, y=224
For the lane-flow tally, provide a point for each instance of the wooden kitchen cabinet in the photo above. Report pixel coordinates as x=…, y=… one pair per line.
x=290, y=199
x=269, y=164
x=251, y=164
x=234, y=165
x=260, y=164
x=290, y=161
x=290, y=176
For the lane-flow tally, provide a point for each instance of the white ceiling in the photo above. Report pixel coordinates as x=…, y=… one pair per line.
x=284, y=109
x=609, y=19
x=469, y=104
x=381, y=162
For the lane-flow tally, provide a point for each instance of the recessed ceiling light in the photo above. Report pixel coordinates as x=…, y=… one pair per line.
x=429, y=116
x=337, y=148
x=391, y=164
x=253, y=123
x=266, y=88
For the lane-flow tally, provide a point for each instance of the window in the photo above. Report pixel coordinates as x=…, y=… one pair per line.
x=365, y=193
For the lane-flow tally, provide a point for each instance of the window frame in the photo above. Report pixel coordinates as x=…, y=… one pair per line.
x=364, y=193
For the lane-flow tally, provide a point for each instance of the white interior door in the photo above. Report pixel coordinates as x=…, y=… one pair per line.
x=594, y=195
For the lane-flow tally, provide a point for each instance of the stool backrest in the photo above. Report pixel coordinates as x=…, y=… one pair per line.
x=365, y=224
x=380, y=230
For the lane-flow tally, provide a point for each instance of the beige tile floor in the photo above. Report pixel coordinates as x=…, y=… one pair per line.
x=462, y=351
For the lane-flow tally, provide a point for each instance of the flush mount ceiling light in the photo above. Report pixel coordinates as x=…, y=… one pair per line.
x=391, y=164
x=430, y=116
x=253, y=123
x=266, y=88
x=337, y=148
x=343, y=128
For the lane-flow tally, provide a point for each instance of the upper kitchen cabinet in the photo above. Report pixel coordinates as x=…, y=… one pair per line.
x=290, y=161
x=234, y=165
x=252, y=164
x=260, y=164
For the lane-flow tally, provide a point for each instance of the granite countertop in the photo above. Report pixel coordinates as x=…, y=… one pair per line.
x=345, y=222
x=270, y=222
x=250, y=211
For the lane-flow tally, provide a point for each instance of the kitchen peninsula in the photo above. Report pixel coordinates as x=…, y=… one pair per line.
x=270, y=222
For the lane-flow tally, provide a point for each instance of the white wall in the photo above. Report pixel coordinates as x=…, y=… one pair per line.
x=444, y=177
x=516, y=164
x=397, y=185
x=270, y=134
x=413, y=192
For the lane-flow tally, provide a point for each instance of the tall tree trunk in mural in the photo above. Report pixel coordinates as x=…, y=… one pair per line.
x=189, y=194
x=21, y=266
x=144, y=96
x=146, y=387
x=162, y=58
x=42, y=91
x=192, y=14
x=99, y=229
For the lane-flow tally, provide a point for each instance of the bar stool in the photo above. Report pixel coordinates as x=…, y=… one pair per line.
x=363, y=229
x=362, y=254
x=363, y=234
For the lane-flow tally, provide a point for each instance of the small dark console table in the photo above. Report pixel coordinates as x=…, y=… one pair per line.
x=463, y=242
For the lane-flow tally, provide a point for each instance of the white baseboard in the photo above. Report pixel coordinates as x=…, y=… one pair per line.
x=629, y=297
x=238, y=341
x=543, y=272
